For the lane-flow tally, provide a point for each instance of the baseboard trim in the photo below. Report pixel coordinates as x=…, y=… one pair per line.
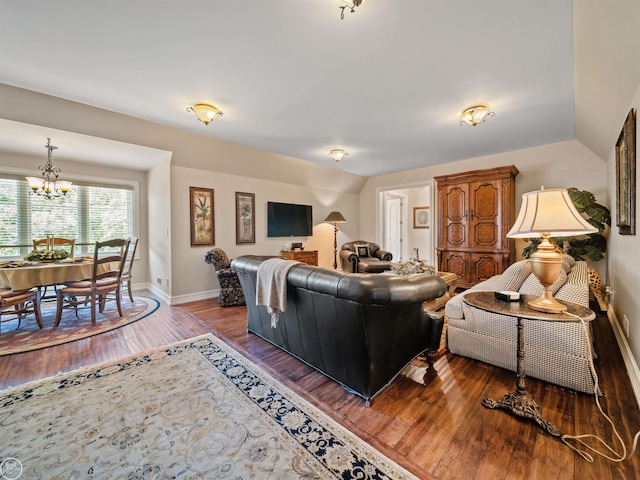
x=193, y=297
x=627, y=356
x=157, y=292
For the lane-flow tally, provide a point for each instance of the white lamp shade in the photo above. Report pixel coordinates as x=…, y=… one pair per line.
x=549, y=211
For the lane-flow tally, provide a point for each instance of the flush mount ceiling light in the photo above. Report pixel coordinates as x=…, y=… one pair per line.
x=475, y=114
x=206, y=113
x=48, y=185
x=351, y=5
x=338, y=154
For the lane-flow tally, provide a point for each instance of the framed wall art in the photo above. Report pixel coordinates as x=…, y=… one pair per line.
x=420, y=217
x=245, y=218
x=201, y=218
x=626, y=177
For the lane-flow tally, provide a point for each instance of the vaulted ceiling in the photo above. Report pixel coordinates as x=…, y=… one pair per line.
x=386, y=83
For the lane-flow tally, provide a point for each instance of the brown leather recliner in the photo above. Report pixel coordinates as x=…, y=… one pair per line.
x=374, y=260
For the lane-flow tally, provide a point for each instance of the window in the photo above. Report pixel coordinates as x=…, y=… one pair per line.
x=88, y=213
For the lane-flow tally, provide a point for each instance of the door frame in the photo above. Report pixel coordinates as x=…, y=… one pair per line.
x=379, y=212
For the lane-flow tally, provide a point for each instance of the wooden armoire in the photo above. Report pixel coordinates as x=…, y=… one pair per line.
x=475, y=211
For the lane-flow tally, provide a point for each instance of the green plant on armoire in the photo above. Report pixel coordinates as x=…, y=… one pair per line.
x=593, y=245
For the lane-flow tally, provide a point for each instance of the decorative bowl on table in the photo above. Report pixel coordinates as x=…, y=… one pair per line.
x=47, y=255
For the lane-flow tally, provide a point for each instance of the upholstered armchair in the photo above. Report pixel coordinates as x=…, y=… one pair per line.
x=364, y=257
x=231, y=293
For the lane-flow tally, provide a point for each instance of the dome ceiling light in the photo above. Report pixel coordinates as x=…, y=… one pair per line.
x=475, y=114
x=206, y=113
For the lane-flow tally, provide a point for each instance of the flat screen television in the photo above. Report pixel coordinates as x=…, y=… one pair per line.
x=289, y=220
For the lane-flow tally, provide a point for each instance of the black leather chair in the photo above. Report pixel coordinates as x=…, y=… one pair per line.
x=364, y=257
x=231, y=293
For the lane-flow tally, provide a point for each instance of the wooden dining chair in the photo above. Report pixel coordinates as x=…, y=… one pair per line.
x=101, y=287
x=67, y=244
x=128, y=265
x=19, y=304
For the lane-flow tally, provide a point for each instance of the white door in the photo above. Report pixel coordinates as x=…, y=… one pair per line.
x=393, y=226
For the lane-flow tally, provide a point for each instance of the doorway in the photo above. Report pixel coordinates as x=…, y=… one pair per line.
x=395, y=225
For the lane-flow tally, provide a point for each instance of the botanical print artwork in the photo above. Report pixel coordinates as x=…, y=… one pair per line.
x=202, y=224
x=245, y=218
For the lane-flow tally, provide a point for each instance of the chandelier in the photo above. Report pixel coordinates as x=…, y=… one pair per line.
x=48, y=186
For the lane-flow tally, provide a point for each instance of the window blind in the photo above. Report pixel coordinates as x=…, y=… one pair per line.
x=88, y=213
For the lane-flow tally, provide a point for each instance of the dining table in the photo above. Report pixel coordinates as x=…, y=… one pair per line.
x=19, y=275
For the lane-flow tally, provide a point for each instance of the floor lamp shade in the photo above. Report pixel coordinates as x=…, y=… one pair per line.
x=335, y=218
x=545, y=214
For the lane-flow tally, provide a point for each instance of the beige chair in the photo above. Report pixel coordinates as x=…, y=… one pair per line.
x=128, y=265
x=58, y=242
x=101, y=287
x=24, y=302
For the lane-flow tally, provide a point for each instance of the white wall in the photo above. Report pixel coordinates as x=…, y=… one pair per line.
x=207, y=162
x=559, y=165
x=624, y=258
x=196, y=278
x=160, y=229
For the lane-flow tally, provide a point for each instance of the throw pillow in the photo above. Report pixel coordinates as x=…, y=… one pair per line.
x=532, y=285
x=568, y=262
x=513, y=277
x=362, y=249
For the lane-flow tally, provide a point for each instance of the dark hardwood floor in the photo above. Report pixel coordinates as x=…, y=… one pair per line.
x=437, y=431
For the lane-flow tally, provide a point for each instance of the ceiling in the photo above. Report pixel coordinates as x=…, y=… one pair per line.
x=387, y=83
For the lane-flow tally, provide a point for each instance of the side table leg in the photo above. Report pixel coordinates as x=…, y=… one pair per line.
x=519, y=402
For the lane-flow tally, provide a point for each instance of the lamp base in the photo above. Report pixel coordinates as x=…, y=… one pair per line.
x=546, y=303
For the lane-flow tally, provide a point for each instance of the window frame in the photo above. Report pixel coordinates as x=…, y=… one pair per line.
x=134, y=185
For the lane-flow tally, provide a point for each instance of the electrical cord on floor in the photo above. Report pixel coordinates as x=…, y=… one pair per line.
x=578, y=438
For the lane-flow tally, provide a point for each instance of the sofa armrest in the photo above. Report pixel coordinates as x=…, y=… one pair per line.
x=383, y=255
x=349, y=261
x=435, y=324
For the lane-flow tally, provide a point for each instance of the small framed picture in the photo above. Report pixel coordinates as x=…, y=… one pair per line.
x=421, y=217
x=245, y=218
x=201, y=218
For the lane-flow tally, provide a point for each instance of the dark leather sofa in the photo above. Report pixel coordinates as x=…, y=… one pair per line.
x=377, y=261
x=359, y=330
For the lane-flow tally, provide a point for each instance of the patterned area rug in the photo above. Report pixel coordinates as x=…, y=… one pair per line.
x=197, y=409
x=27, y=336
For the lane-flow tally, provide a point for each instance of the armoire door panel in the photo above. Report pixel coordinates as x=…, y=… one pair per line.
x=456, y=262
x=485, y=235
x=456, y=206
x=485, y=266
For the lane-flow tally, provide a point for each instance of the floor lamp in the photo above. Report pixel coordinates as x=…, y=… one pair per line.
x=335, y=218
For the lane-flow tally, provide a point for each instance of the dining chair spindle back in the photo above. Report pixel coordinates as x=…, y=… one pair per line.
x=128, y=265
x=67, y=244
x=101, y=287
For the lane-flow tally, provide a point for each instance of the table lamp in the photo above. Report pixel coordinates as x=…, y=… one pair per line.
x=335, y=218
x=545, y=214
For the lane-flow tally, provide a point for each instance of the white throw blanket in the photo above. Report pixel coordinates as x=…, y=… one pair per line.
x=271, y=288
